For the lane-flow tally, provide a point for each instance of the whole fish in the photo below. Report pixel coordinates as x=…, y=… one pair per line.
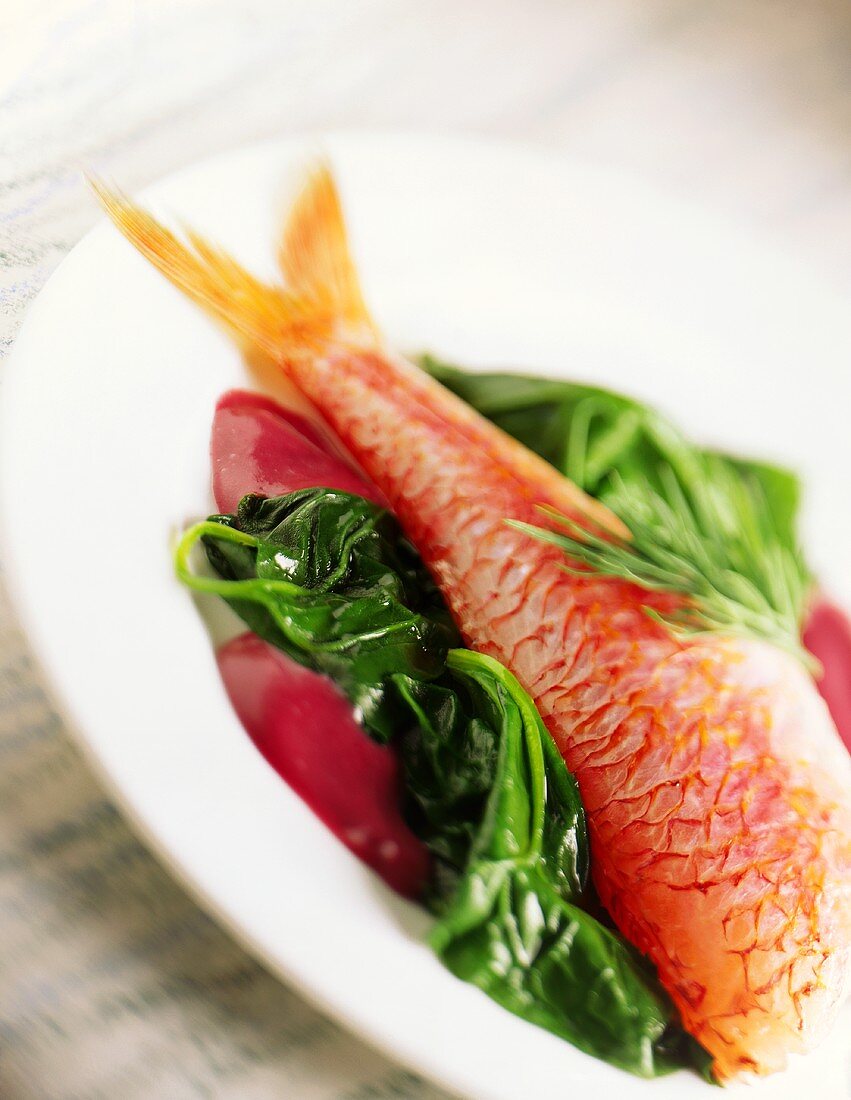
x=717, y=792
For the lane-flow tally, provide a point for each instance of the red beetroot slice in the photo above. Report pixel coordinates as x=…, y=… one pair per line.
x=306, y=730
x=258, y=446
x=828, y=636
x=297, y=718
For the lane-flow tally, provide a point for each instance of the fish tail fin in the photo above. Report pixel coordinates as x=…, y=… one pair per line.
x=322, y=291
x=314, y=254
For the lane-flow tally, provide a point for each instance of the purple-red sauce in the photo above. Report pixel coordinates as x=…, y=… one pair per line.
x=298, y=719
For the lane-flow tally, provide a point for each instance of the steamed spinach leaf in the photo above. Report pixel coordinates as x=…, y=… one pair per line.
x=329, y=578
x=513, y=922
x=475, y=738
x=599, y=438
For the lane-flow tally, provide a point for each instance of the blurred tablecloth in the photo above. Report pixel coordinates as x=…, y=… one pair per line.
x=113, y=983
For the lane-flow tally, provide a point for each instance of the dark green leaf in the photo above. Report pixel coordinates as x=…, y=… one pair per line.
x=329, y=578
x=513, y=923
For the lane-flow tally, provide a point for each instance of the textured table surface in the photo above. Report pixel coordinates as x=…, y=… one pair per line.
x=113, y=983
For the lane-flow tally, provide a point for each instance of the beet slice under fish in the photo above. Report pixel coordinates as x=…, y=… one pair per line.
x=257, y=446
x=297, y=718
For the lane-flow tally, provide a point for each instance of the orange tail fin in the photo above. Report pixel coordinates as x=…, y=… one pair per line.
x=321, y=302
x=314, y=255
x=321, y=289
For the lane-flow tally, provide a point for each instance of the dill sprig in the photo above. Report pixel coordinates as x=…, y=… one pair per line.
x=704, y=531
x=716, y=530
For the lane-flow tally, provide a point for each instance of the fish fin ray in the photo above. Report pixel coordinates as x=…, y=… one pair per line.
x=314, y=254
x=259, y=314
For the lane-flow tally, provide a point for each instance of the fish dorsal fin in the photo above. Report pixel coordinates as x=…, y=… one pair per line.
x=315, y=257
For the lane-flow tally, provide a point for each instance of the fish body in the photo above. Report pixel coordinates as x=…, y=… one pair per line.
x=717, y=792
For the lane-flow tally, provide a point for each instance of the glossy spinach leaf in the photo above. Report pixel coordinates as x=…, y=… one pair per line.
x=598, y=437
x=329, y=578
x=512, y=921
x=465, y=750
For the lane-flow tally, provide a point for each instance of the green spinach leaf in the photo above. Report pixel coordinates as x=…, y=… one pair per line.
x=599, y=438
x=513, y=923
x=330, y=579
x=466, y=748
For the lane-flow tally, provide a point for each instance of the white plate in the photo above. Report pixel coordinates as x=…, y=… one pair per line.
x=493, y=255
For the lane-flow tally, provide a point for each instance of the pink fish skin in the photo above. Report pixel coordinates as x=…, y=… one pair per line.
x=718, y=793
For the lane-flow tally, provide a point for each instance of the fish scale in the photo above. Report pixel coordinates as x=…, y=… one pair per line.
x=717, y=792
x=692, y=714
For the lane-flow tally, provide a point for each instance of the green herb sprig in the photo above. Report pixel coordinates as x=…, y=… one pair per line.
x=711, y=541
x=716, y=530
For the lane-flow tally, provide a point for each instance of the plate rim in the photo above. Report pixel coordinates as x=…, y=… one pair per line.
x=32, y=629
